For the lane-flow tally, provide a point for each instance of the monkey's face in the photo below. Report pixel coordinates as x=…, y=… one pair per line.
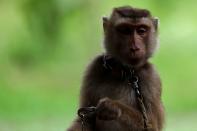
x=131, y=40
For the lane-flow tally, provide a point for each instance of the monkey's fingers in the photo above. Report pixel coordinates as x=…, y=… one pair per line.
x=107, y=110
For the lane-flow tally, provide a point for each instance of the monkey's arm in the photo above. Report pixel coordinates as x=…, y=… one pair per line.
x=130, y=116
x=88, y=95
x=157, y=116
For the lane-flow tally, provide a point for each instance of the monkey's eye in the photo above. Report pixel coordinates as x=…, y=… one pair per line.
x=124, y=29
x=141, y=30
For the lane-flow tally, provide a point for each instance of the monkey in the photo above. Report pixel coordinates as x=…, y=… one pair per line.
x=130, y=38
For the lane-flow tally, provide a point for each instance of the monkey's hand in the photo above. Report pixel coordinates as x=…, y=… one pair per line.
x=108, y=109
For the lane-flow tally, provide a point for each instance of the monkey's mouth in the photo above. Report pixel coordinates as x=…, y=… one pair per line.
x=135, y=54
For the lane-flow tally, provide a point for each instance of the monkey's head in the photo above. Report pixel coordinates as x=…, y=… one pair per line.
x=130, y=35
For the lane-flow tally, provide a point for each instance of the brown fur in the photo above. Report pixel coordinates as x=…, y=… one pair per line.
x=117, y=108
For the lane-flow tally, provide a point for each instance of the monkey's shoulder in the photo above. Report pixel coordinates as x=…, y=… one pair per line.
x=93, y=77
x=96, y=69
x=150, y=79
x=149, y=71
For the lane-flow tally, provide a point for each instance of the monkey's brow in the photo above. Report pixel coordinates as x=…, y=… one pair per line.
x=144, y=21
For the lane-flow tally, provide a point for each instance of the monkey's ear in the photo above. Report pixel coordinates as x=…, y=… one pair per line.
x=105, y=23
x=156, y=22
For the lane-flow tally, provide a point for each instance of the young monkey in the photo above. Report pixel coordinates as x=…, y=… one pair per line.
x=130, y=40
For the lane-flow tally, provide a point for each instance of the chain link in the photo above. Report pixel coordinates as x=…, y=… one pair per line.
x=132, y=78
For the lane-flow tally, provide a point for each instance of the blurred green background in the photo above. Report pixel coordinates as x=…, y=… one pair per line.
x=45, y=46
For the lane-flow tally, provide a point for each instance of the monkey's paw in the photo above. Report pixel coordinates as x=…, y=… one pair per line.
x=108, y=109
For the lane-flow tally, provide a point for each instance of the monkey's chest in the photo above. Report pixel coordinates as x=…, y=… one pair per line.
x=122, y=92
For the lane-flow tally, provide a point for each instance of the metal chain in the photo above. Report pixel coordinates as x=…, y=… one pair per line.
x=133, y=80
